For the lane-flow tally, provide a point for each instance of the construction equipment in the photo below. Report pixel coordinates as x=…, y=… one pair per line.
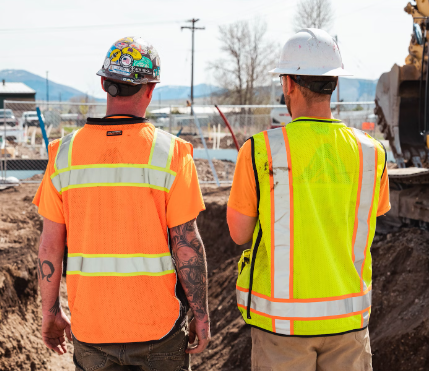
x=402, y=108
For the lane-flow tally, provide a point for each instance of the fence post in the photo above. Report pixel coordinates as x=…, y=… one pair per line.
x=197, y=123
x=42, y=126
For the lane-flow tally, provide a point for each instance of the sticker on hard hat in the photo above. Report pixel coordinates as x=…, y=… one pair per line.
x=145, y=71
x=126, y=60
x=133, y=52
x=144, y=62
x=106, y=63
x=115, y=55
x=121, y=45
x=119, y=69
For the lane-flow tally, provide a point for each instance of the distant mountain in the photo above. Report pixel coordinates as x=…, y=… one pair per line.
x=38, y=83
x=172, y=92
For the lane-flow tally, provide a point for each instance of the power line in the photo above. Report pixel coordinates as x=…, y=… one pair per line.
x=86, y=27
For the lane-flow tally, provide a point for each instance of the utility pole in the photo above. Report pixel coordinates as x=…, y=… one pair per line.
x=47, y=88
x=193, y=28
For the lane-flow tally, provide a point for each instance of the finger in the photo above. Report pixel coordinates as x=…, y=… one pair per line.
x=54, y=344
x=199, y=348
x=68, y=333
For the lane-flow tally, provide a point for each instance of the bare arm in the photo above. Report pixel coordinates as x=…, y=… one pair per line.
x=50, y=262
x=190, y=258
x=241, y=226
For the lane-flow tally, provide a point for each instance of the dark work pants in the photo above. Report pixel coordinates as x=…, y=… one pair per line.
x=165, y=355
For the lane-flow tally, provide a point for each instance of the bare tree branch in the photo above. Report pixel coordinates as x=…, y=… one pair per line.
x=248, y=57
x=314, y=14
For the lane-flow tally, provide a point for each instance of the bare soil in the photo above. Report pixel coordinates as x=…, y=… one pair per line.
x=399, y=325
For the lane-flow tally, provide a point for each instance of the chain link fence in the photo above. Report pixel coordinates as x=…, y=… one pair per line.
x=21, y=139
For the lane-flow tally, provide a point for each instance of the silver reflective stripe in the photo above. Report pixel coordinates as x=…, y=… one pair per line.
x=63, y=152
x=57, y=183
x=366, y=197
x=281, y=214
x=126, y=265
x=282, y=326
x=109, y=175
x=161, y=151
x=307, y=310
x=365, y=316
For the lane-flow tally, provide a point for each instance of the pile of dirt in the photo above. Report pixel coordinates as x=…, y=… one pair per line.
x=21, y=346
x=225, y=142
x=224, y=169
x=399, y=323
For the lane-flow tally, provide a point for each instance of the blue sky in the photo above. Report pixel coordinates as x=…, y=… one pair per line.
x=70, y=38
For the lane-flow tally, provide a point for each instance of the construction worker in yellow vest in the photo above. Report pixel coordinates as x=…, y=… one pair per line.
x=308, y=196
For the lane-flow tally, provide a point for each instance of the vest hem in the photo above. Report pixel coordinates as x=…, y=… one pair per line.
x=308, y=336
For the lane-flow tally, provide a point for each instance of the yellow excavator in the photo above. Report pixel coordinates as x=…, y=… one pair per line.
x=402, y=109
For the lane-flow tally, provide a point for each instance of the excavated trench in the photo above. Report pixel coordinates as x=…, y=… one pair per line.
x=399, y=325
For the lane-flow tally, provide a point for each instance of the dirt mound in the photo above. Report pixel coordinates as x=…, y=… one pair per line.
x=224, y=170
x=225, y=142
x=21, y=345
x=399, y=325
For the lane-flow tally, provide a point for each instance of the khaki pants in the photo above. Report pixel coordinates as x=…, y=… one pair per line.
x=348, y=352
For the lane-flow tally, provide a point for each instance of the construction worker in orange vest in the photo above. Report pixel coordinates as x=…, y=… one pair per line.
x=308, y=195
x=126, y=195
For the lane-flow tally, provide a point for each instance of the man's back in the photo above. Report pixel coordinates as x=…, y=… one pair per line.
x=118, y=187
x=317, y=184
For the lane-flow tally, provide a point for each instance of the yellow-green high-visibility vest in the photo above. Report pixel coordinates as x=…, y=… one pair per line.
x=308, y=272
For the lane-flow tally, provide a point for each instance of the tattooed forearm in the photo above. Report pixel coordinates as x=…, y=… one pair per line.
x=46, y=269
x=189, y=256
x=56, y=307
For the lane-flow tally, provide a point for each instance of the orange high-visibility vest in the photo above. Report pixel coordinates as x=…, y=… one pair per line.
x=121, y=280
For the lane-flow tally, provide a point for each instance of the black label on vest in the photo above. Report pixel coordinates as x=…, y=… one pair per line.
x=114, y=133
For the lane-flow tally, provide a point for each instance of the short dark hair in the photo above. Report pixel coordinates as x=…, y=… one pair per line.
x=310, y=95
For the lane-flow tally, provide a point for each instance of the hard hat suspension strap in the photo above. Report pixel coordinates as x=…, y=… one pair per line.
x=320, y=87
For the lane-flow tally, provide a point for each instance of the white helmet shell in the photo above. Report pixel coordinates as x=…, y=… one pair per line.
x=311, y=52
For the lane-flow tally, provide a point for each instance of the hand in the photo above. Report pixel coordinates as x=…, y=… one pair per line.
x=53, y=332
x=200, y=329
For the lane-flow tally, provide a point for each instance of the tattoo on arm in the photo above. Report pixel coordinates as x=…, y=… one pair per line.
x=190, y=259
x=56, y=307
x=46, y=272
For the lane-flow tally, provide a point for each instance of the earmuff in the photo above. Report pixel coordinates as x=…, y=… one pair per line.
x=119, y=89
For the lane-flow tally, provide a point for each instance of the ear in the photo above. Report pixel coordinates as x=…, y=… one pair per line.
x=291, y=86
x=102, y=82
x=149, y=90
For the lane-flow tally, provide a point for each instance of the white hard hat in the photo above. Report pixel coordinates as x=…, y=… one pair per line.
x=311, y=52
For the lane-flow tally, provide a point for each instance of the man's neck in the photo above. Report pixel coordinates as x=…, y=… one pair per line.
x=321, y=110
x=132, y=111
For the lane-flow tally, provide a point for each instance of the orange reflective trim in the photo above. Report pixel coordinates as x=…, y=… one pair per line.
x=289, y=161
x=361, y=320
x=291, y=327
x=270, y=163
x=358, y=196
x=273, y=323
x=314, y=300
x=306, y=318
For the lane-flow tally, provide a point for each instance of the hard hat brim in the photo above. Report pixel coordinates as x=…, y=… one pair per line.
x=114, y=77
x=311, y=72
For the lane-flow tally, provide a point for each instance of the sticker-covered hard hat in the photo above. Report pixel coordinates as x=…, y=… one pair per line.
x=133, y=60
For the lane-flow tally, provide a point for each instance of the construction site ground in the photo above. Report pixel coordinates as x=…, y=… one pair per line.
x=399, y=325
